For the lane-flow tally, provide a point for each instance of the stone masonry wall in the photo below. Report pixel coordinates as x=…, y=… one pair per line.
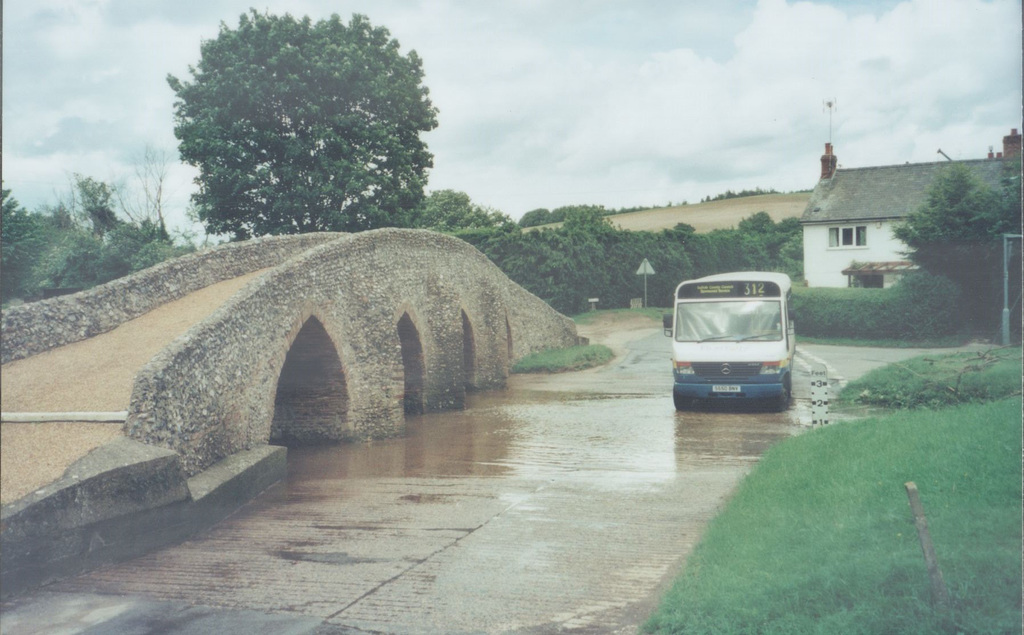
x=39, y=326
x=211, y=393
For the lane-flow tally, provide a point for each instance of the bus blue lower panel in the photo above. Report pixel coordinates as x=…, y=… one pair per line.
x=761, y=387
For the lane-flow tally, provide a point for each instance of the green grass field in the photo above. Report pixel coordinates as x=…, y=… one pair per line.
x=820, y=538
x=933, y=381
x=588, y=317
x=564, y=359
x=939, y=342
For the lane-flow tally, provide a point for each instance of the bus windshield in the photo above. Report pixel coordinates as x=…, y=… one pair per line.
x=757, y=320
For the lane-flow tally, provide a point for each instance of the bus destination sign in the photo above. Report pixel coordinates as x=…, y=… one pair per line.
x=730, y=289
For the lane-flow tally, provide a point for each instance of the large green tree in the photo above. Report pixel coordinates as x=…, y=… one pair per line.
x=957, y=233
x=23, y=238
x=298, y=126
x=450, y=210
x=94, y=202
x=535, y=217
x=77, y=243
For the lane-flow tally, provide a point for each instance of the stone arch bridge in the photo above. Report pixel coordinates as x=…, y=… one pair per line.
x=337, y=337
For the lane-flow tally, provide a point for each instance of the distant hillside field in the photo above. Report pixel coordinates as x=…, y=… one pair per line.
x=705, y=217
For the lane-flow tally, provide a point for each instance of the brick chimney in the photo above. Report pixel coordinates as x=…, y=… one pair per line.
x=1011, y=144
x=828, y=161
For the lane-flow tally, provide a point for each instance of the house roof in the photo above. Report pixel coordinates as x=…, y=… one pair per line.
x=885, y=192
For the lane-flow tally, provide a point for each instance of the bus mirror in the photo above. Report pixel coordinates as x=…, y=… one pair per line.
x=666, y=322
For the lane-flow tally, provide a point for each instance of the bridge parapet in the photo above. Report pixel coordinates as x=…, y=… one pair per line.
x=36, y=327
x=340, y=342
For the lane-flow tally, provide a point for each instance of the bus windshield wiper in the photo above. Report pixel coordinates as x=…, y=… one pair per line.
x=717, y=337
x=751, y=337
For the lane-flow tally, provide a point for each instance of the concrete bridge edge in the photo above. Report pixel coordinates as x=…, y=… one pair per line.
x=85, y=520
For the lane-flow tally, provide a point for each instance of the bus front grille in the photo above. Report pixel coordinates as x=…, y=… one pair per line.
x=726, y=370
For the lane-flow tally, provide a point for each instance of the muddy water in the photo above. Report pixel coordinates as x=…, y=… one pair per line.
x=547, y=435
x=562, y=503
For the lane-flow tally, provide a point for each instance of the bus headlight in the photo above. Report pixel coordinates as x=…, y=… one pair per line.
x=683, y=368
x=773, y=368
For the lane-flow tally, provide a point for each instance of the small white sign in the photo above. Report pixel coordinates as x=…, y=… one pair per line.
x=645, y=269
x=819, y=395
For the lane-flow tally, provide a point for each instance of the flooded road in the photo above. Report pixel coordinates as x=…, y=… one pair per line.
x=563, y=503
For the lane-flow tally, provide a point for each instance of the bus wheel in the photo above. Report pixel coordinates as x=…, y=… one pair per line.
x=681, y=403
x=782, y=404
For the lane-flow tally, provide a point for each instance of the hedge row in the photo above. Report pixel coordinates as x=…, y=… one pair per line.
x=589, y=258
x=920, y=307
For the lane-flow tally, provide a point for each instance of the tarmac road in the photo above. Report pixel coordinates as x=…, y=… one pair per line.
x=564, y=503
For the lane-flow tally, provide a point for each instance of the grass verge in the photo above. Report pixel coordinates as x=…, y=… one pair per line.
x=588, y=317
x=950, y=341
x=820, y=539
x=564, y=359
x=933, y=381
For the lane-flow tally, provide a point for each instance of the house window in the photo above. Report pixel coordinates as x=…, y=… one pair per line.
x=867, y=281
x=848, y=236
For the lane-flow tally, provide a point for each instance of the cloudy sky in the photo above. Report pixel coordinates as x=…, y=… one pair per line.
x=552, y=102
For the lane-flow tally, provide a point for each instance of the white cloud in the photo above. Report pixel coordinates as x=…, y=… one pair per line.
x=546, y=103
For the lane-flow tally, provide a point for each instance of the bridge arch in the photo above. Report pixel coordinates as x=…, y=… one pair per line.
x=311, y=398
x=413, y=367
x=509, y=358
x=468, y=353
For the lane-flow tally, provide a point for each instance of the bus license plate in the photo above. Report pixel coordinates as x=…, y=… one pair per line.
x=725, y=389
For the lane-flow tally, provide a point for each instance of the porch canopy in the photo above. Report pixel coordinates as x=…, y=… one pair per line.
x=878, y=268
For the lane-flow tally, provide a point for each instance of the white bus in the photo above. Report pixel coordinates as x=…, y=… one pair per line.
x=732, y=338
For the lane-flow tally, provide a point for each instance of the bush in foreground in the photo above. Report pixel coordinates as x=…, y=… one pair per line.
x=564, y=359
x=820, y=539
x=932, y=381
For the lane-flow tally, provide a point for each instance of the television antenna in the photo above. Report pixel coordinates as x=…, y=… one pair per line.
x=831, y=104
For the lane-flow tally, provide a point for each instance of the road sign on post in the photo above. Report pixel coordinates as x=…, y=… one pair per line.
x=645, y=270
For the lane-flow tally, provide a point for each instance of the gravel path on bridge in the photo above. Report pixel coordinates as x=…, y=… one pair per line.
x=92, y=375
x=36, y=454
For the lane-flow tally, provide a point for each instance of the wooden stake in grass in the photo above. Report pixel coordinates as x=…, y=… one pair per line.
x=940, y=596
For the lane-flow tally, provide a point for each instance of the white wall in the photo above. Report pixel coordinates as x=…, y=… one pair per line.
x=823, y=265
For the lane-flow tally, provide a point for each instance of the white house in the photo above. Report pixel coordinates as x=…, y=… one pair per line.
x=850, y=216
